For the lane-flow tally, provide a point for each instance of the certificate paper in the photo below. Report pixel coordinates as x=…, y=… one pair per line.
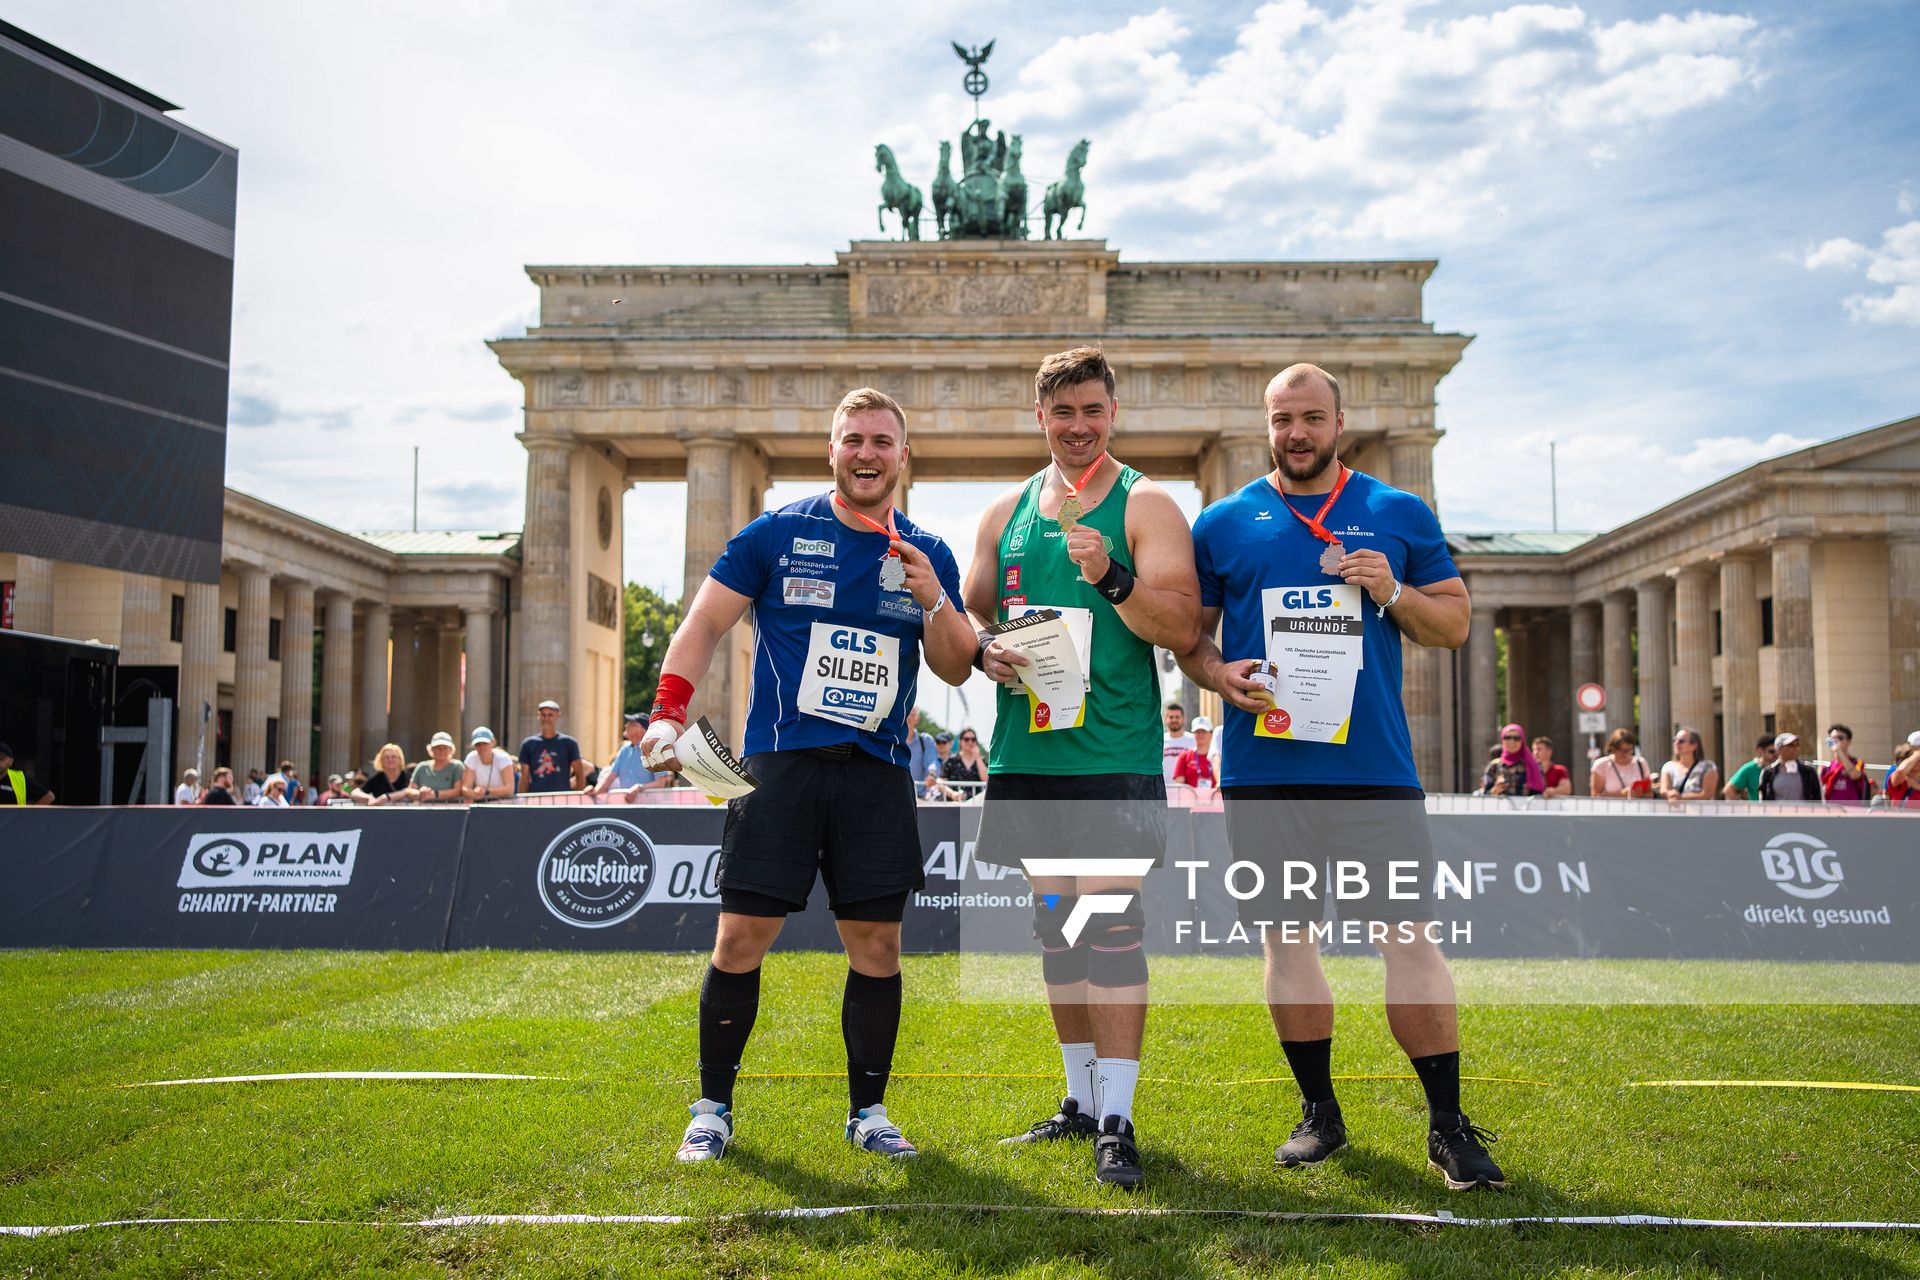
x=1056, y=683
x=708, y=765
x=1315, y=637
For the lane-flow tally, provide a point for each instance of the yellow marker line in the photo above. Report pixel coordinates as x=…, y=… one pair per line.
x=1773, y=1084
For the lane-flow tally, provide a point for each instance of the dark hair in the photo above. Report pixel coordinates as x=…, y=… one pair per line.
x=1544, y=738
x=286, y=764
x=1174, y=706
x=1765, y=743
x=1620, y=735
x=1693, y=740
x=1840, y=728
x=1070, y=369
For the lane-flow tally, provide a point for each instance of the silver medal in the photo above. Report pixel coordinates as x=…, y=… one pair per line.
x=893, y=574
x=1330, y=559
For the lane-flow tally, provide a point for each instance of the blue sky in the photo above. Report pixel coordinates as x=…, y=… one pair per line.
x=1684, y=238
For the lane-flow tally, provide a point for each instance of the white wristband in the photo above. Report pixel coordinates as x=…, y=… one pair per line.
x=938, y=605
x=1392, y=600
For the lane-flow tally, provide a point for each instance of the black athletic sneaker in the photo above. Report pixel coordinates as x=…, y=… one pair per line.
x=1069, y=1122
x=1320, y=1133
x=1456, y=1146
x=1116, y=1161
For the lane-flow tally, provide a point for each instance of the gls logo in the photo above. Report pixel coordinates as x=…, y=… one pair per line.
x=855, y=641
x=1801, y=865
x=1307, y=598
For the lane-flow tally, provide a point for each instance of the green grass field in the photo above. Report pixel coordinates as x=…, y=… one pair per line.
x=619, y=1032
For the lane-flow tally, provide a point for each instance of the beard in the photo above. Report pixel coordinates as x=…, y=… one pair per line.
x=881, y=488
x=1322, y=458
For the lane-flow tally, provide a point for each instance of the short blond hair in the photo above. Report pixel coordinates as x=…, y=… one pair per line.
x=866, y=400
x=1295, y=374
x=381, y=754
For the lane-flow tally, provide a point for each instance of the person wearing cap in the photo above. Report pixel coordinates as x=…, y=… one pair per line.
x=550, y=760
x=489, y=772
x=188, y=792
x=1195, y=765
x=629, y=772
x=1789, y=777
x=438, y=781
x=17, y=786
x=336, y=790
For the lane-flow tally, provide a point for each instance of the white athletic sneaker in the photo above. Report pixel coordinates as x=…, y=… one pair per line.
x=872, y=1131
x=708, y=1133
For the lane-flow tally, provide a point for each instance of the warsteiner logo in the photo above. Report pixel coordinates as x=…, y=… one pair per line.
x=596, y=873
x=1801, y=865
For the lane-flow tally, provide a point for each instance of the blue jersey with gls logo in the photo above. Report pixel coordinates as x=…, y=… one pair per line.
x=835, y=659
x=1247, y=543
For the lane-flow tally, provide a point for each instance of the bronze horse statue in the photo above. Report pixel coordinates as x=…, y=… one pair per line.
x=897, y=194
x=946, y=197
x=1067, y=194
x=1013, y=194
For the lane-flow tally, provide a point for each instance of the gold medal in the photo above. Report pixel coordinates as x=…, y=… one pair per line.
x=1071, y=511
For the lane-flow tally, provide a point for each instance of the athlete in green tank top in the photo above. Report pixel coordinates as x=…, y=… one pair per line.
x=1112, y=552
x=1119, y=732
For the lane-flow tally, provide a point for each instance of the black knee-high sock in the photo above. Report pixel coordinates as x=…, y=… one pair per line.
x=1312, y=1065
x=728, y=1005
x=1440, y=1076
x=870, y=1022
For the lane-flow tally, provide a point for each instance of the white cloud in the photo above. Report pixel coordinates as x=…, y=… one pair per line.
x=1369, y=123
x=1896, y=262
x=826, y=46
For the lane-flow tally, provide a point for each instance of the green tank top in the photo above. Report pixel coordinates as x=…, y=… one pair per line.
x=1120, y=730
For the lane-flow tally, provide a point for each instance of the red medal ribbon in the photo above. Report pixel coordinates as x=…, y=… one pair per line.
x=888, y=529
x=1320, y=530
x=1073, y=488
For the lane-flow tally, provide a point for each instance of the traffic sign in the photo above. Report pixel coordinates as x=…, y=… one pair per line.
x=1593, y=722
x=1590, y=697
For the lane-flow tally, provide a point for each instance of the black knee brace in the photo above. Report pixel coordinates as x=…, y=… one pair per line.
x=1050, y=923
x=1118, y=955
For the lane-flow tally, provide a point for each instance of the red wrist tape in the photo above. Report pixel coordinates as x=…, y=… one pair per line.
x=671, y=698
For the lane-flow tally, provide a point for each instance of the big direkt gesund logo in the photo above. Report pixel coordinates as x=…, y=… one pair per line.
x=596, y=873
x=1801, y=865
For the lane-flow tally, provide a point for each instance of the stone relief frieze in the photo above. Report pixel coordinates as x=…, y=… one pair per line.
x=976, y=296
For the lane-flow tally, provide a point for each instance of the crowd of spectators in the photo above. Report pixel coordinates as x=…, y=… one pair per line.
x=1776, y=772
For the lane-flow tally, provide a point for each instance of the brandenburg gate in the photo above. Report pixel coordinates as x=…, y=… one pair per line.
x=725, y=376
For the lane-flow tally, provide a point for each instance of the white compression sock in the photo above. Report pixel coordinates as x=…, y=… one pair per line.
x=1082, y=1084
x=1117, y=1078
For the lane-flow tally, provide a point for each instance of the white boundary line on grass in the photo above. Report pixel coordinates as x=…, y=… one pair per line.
x=1442, y=1218
x=341, y=1075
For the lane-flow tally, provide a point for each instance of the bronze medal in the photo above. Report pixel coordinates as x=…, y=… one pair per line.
x=1330, y=559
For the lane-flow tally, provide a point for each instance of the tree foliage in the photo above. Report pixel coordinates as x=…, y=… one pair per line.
x=651, y=621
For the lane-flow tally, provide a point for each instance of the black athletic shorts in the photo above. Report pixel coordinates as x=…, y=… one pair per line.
x=1319, y=826
x=838, y=812
x=1107, y=815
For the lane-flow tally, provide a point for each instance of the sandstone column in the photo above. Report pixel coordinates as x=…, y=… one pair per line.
x=1519, y=665
x=253, y=689
x=1693, y=659
x=403, y=684
x=1740, y=662
x=1903, y=632
x=336, y=686
x=479, y=636
x=1483, y=672
x=1616, y=658
x=709, y=517
x=545, y=633
x=1241, y=459
x=200, y=647
x=1583, y=644
x=143, y=620
x=1656, y=711
x=373, y=683
x=1793, y=705
x=296, y=679
x=1411, y=462
x=33, y=595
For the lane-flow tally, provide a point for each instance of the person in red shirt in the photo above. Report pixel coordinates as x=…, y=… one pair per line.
x=1559, y=781
x=1195, y=766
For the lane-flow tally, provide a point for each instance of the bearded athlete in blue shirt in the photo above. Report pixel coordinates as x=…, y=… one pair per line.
x=1323, y=570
